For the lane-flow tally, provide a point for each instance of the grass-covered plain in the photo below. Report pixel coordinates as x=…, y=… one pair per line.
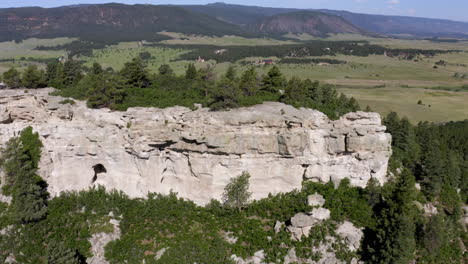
x=10, y=50
x=437, y=106
x=179, y=38
x=116, y=56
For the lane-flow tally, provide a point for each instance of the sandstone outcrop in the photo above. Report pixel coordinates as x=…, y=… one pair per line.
x=195, y=153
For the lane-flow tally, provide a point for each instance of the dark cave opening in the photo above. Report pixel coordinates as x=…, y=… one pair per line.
x=98, y=168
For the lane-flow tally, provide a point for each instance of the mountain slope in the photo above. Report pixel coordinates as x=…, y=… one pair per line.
x=396, y=25
x=238, y=14
x=108, y=22
x=311, y=22
x=382, y=24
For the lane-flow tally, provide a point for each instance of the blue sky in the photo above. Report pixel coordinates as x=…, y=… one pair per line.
x=449, y=9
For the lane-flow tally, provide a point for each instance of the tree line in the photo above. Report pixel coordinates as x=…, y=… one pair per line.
x=306, y=49
x=135, y=86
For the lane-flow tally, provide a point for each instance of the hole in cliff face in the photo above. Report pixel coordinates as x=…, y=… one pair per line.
x=98, y=169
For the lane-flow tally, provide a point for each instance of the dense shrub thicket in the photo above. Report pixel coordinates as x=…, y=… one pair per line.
x=134, y=86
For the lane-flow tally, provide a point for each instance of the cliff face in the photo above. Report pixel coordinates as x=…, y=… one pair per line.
x=195, y=153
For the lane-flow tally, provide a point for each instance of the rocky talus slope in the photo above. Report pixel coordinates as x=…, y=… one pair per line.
x=195, y=152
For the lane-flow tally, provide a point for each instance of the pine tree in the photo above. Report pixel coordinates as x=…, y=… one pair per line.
x=104, y=90
x=33, y=77
x=165, y=70
x=394, y=241
x=225, y=95
x=12, y=78
x=58, y=253
x=249, y=83
x=191, y=72
x=54, y=75
x=135, y=74
x=96, y=69
x=295, y=92
x=273, y=81
x=20, y=160
x=71, y=73
x=314, y=91
x=231, y=73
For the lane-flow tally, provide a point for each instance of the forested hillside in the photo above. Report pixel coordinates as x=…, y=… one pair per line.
x=380, y=24
x=304, y=22
x=108, y=23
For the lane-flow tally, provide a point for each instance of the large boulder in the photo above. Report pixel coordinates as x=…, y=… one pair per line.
x=315, y=200
x=351, y=235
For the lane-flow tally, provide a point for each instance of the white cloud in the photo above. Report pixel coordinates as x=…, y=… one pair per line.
x=393, y=2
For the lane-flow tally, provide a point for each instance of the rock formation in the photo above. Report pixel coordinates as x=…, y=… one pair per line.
x=98, y=242
x=195, y=153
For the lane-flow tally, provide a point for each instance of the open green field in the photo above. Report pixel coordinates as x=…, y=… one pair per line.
x=438, y=106
x=179, y=38
x=26, y=48
x=116, y=56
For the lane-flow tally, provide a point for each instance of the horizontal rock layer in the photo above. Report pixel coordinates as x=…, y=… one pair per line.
x=195, y=153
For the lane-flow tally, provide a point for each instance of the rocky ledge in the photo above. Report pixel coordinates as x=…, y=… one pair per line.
x=195, y=152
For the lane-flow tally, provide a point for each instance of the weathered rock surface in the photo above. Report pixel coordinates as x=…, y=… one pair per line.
x=315, y=200
x=302, y=223
x=257, y=258
x=195, y=153
x=351, y=235
x=100, y=240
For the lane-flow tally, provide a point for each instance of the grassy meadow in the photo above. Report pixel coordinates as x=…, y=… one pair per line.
x=384, y=83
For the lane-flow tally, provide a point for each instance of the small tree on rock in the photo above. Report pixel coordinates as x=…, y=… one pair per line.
x=236, y=193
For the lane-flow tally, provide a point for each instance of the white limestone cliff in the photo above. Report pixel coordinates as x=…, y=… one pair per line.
x=195, y=153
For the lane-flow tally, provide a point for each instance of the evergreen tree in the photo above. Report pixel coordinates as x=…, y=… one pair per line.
x=165, y=70
x=206, y=80
x=191, y=72
x=58, y=253
x=33, y=77
x=314, y=91
x=135, y=74
x=12, y=78
x=273, y=81
x=51, y=72
x=96, y=69
x=352, y=105
x=295, y=93
x=54, y=75
x=394, y=241
x=248, y=83
x=20, y=160
x=71, y=73
x=104, y=90
x=329, y=95
x=231, y=73
x=225, y=95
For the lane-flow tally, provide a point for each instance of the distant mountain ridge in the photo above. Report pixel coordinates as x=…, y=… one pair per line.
x=381, y=24
x=400, y=25
x=109, y=22
x=299, y=22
